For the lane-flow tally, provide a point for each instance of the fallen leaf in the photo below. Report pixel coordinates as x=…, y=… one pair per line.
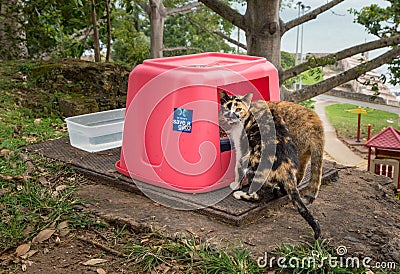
x=27, y=230
x=62, y=225
x=64, y=232
x=43, y=236
x=6, y=177
x=92, y=262
x=37, y=121
x=4, y=151
x=28, y=263
x=5, y=257
x=31, y=139
x=29, y=254
x=43, y=181
x=61, y=187
x=52, y=225
x=22, y=249
x=100, y=271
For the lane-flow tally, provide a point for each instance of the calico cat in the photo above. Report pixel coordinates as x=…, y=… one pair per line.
x=307, y=132
x=262, y=160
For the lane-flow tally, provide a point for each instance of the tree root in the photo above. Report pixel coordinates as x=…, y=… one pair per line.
x=105, y=248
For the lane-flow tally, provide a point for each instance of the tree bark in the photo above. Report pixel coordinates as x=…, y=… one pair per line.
x=263, y=34
x=108, y=31
x=334, y=81
x=261, y=24
x=12, y=33
x=157, y=18
x=188, y=8
x=226, y=12
x=96, y=46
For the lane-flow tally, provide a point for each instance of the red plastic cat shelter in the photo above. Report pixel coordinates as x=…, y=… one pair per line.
x=171, y=132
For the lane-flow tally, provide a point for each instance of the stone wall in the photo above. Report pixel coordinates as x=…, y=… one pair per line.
x=82, y=87
x=356, y=96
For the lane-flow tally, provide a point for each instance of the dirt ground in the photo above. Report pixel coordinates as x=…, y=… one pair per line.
x=358, y=211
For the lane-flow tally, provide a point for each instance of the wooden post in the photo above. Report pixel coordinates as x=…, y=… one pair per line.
x=358, y=127
x=369, y=132
x=369, y=158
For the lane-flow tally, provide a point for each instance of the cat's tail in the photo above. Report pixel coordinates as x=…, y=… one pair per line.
x=305, y=213
x=317, y=150
x=294, y=196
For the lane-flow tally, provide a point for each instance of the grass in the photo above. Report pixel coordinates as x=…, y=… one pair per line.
x=345, y=123
x=188, y=255
x=29, y=200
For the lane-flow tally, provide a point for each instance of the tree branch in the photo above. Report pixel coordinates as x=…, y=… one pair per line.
x=226, y=12
x=334, y=57
x=145, y=7
x=309, y=15
x=183, y=48
x=334, y=81
x=183, y=9
x=229, y=39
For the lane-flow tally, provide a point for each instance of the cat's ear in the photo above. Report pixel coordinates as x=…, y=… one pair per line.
x=247, y=98
x=222, y=93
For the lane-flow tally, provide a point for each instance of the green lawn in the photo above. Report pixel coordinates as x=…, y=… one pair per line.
x=345, y=123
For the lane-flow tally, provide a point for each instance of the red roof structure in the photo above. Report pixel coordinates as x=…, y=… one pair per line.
x=388, y=138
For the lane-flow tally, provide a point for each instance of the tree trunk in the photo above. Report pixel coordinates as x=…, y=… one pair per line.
x=157, y=17
x=264, y=29
x=12, y=33
x=108, y=31
x=263, y=32
x=96, y=46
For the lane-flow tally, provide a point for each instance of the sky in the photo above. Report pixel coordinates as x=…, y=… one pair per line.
x=332, y=31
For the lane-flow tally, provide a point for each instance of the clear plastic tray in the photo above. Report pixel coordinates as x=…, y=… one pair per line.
x=96, y=131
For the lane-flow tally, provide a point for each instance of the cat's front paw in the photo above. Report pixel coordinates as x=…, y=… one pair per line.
x=241, y=195
x=235, y=185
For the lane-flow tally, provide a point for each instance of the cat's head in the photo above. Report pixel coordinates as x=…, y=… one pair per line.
x=234, y=107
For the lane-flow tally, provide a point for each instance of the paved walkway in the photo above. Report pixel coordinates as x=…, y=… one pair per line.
x=334, y=149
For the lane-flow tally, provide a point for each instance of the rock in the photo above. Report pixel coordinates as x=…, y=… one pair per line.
x=76, y=87
x=72, y=107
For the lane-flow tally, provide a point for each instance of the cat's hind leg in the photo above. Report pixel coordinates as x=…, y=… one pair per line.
x=316, y=172
x=304, y=157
